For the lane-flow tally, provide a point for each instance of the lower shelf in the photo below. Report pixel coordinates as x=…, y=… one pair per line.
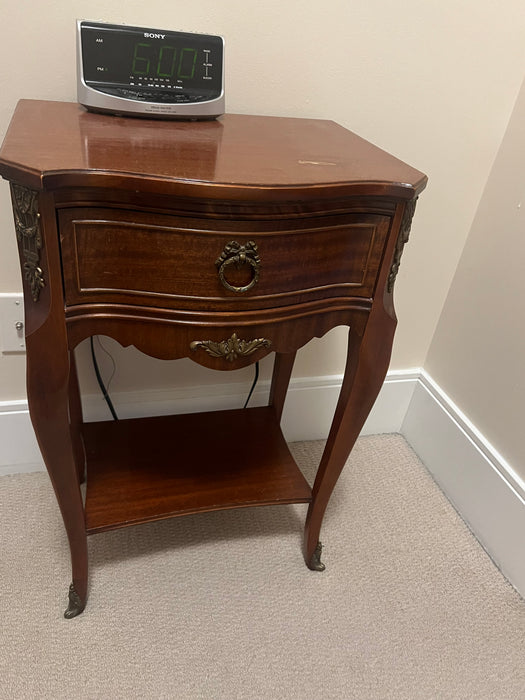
x=146, y=469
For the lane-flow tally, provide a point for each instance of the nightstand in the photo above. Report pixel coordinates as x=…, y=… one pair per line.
x=220, y=241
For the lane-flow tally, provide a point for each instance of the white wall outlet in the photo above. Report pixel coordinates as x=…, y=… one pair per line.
x=12, y=331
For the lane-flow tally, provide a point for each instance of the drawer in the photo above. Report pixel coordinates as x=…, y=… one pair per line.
x=110, y=255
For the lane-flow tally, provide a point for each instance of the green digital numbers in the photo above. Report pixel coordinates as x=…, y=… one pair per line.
x=161, y=62
x=188, y=59
x=166, y=63
x=141, y=63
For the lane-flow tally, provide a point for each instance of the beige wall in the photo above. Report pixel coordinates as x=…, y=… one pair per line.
x=433, y=82
x=478, y=352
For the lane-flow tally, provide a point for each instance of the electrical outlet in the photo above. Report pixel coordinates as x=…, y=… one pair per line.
x=12, y=332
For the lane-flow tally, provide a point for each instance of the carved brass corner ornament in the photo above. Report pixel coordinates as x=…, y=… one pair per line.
x=232, y=348
x=404, y=233
x=27, y=224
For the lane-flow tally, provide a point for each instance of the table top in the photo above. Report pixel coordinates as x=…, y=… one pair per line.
x=60, y=144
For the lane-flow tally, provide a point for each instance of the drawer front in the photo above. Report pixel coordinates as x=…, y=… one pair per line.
x=174, y=262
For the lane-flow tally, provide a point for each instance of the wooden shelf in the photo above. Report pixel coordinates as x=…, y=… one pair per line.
x=146, y=469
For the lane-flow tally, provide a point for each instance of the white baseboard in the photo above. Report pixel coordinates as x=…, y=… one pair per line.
x=307, y=413
x=483, y=487
x=19, y=450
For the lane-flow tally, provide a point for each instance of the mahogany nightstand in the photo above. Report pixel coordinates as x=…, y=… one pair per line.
x=221, y=241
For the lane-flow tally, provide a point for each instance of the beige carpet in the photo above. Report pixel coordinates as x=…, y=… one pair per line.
x=221, y=606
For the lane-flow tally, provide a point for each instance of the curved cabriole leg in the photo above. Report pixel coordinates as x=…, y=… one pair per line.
x=49, y=376
x=366, y=367
x=47, y=388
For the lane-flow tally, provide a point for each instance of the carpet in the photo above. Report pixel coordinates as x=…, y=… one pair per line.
x=221, y=605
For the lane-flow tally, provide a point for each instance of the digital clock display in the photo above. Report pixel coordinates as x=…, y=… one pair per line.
x=150, y=66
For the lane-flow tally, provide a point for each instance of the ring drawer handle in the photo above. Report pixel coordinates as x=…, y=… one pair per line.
x=232, y=348
x=236, y=254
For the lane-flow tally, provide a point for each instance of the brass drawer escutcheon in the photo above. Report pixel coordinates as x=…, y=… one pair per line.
x=236, y=254
x=232, y=348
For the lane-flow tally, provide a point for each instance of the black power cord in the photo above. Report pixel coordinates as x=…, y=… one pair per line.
x=100, y=381
x=256, y=378
x=110, y=403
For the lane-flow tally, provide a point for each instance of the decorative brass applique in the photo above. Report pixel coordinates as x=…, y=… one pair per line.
x=27, y=224
x=236, y=254
x=232, y=348
x=404, y=233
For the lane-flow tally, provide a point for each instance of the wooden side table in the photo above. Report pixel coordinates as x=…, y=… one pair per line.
x=220, y=241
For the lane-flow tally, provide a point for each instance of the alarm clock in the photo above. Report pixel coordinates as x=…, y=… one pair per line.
x=154, y=73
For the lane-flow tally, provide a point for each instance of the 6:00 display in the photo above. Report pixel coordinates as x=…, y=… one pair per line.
x=166, y=63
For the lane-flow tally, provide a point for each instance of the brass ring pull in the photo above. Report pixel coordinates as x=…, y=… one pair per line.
x=236, y=254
